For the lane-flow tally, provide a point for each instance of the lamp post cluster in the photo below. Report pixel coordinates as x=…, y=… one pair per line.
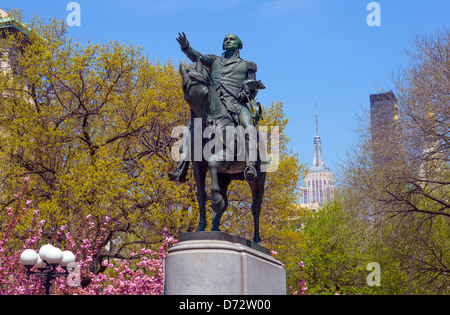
x=46, y=262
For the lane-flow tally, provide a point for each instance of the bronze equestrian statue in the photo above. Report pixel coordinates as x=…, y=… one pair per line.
x=221, y=93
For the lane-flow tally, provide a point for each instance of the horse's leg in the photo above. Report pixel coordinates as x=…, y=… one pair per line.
x=217, y=201
x=257, y=188
x=224, y=181
x=200, y=176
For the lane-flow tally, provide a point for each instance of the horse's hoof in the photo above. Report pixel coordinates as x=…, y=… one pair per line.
x=219, y=206
x=217, y=203
x=201, y=228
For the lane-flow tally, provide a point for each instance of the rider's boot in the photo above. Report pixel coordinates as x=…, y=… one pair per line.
x=179, y=174
x=250, y=172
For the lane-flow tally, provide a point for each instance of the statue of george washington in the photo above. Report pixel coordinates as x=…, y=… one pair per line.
x=229, y=74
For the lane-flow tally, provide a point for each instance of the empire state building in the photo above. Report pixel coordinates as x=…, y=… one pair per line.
x=318, y=184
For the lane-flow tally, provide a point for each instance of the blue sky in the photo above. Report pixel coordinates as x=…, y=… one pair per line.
x=307, y=51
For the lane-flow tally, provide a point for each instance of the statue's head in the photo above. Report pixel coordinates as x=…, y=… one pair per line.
x=232, y=42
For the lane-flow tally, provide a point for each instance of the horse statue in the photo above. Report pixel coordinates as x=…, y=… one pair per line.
x=205, y=105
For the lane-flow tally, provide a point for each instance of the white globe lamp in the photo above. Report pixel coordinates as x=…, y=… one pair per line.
x=68, y=257
x=40, y=264
x=29, y=258
x=46, y=262
x=53, y=256
x=43, y=251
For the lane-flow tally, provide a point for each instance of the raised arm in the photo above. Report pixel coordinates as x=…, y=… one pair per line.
x=192, y=54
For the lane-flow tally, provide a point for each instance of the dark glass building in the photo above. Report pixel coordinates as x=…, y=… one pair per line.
x=385, y=129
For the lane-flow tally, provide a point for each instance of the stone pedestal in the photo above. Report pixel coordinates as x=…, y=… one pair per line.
x=215, y=263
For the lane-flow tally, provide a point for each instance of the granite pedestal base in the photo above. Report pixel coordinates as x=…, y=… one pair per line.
x=215, y=263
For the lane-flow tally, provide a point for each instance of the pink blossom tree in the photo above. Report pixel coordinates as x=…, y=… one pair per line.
x=141, y=274
x=303, y=290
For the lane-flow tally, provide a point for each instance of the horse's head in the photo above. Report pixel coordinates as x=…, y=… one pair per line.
x=195, y=87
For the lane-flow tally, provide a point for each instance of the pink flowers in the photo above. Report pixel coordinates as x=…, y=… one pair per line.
x=142, y=274
x=13, y=279
x=302, y=283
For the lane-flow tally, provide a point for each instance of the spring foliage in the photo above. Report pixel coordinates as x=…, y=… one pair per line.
x=90, y=125
x=141, y=274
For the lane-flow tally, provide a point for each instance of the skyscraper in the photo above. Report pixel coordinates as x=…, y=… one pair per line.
x=385, y=129
x=318, y=184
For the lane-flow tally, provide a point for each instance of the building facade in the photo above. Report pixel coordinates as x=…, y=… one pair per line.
x=385, y=130
x=8, y=66
x=8, y=53
x=318, y=185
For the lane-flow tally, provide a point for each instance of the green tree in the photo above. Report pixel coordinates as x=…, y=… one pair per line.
x=395, y=213
x=91, y=126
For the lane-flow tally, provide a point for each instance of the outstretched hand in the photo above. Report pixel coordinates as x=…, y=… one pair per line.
x=182, y=40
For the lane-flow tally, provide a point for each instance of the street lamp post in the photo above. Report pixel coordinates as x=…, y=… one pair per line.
x=46, y=262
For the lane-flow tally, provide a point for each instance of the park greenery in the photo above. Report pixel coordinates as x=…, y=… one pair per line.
x=89, y=129
x=392, y=205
